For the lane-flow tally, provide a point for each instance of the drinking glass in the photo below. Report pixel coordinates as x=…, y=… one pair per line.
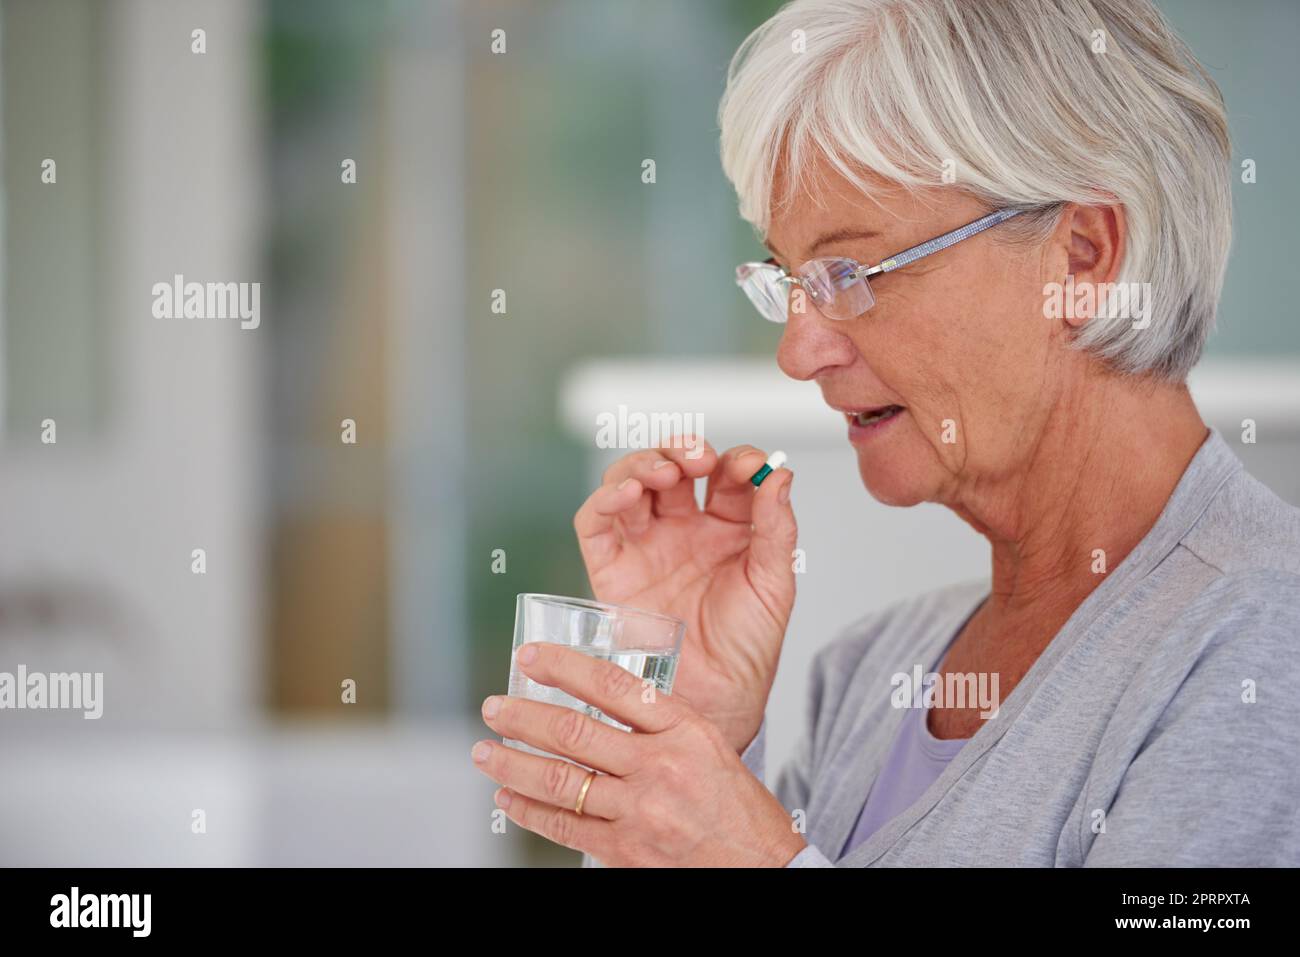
x=646, y=643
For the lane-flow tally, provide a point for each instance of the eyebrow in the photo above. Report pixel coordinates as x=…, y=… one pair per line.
x=836, y=236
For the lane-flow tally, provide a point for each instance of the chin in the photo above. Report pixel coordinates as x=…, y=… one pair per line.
x=894, y=481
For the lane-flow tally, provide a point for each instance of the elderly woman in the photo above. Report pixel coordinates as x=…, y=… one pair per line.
x=999, y=232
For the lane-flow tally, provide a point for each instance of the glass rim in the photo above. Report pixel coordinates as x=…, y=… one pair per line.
x=752, y=265
x=567, y=601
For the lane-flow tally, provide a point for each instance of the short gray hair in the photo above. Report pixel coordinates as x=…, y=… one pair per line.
x=1036, y=102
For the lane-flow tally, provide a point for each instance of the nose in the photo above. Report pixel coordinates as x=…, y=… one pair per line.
x=811, y=343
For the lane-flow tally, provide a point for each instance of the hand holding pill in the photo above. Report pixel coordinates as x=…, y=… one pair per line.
x=724, y=567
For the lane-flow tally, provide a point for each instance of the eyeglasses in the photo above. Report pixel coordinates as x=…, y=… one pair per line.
x=838, y=286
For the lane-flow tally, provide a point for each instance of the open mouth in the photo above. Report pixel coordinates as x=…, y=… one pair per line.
x=872, y=416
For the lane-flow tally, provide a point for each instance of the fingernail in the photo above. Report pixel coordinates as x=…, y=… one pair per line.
x=502, y=798
x=527, y=654
x=785, y=489
x=624, y=482
x=660, y=464
x=480, y=752
x=492, y=706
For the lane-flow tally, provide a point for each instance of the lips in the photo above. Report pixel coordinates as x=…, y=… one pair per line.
x=872, y=415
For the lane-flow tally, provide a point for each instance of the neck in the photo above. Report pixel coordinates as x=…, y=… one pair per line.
x=1102, y=465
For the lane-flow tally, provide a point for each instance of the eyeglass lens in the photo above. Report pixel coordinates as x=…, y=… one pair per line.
x=829, y=283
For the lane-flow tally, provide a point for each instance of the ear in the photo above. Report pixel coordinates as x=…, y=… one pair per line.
x=1089, y=245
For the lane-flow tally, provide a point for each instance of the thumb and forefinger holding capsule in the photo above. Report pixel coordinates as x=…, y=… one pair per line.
x=731, y=491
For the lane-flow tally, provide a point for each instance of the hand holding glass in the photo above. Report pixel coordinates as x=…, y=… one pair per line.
x=645, y=643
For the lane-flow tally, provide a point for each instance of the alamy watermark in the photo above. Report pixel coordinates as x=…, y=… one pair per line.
x=179, y=299
x=953, y=690
x=56, y=691
x=75, y=909
x=1084, y=300
x=626, y=429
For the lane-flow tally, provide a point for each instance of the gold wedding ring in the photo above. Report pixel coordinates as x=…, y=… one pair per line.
x=582, y=795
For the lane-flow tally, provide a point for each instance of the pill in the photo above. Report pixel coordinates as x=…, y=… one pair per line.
x=774, y=461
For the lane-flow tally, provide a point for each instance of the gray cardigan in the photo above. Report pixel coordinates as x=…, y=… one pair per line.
x=1161, y=726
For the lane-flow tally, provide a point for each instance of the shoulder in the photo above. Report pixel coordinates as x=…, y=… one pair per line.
x=1248, y=610
x=1247, y=529
x=1251, y=616
x=1231, y=664
x=1207, y=746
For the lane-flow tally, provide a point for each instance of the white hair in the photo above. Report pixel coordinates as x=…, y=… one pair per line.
x=1038, y=103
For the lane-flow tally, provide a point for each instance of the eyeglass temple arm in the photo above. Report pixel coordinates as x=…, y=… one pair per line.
x=899, y=260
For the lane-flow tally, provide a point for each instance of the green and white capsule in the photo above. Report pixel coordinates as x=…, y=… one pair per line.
x=774, y=461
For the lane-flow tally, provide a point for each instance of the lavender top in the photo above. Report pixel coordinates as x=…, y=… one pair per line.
x=915, y=760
